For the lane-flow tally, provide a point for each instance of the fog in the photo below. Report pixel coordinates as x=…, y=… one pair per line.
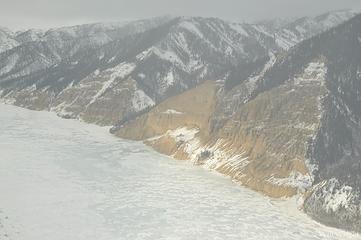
x=22, y=14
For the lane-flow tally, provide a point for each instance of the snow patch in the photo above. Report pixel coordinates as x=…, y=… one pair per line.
x=169, y=79
x=141, y=101
x=295, y=180
x=96, y=72
x=111, y=59
x=233, y=163
x=314, y=72
x=190, y=26
x=183, y=134
x=172, y=111
x=167, y=55
x=337, y=195
x=141, y=75
x=187, y=137
x=239, y=28
x=141, y=56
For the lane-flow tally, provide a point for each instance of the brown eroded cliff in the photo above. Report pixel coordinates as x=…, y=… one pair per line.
x=262, y=146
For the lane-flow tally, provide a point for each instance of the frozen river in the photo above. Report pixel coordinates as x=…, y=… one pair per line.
x=66, y=180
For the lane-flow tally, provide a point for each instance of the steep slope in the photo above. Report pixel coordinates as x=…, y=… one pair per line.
x=333, y=151
x=293, y=128
x=333, y=146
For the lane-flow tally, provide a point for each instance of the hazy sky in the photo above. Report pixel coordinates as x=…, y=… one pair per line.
x=21, y=14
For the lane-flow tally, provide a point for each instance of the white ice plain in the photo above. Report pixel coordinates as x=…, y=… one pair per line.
x=63, y=179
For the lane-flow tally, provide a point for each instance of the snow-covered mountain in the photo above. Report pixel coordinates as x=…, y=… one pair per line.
x=262, y=102
x=167, y=56
x=164, y=58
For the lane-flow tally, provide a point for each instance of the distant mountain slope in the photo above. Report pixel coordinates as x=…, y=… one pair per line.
x=288, y=33
x=167, y=56
x=172, y=56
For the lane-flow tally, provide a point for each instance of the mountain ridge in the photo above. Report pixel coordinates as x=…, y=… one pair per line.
x=272, y=96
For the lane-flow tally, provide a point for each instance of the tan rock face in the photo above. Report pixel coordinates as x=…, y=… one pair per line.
x=272, y=131
x=262, y=146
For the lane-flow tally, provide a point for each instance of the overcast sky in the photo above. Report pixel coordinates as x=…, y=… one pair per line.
x=22, y=14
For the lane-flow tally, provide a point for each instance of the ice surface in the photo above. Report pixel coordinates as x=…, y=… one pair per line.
x=63, y=179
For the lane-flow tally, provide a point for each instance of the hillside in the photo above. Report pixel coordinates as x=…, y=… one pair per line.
x=292, y=129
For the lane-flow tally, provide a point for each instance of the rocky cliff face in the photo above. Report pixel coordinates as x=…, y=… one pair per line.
x=257, y=102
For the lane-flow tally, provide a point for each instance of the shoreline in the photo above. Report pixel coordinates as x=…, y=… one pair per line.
x=289, y=206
